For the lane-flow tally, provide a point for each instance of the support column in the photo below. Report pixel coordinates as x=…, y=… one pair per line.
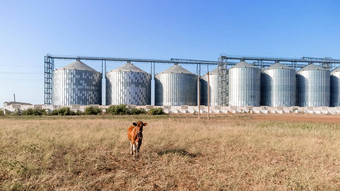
x=153, y=89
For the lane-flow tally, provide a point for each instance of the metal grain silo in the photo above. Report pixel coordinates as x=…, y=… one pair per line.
x=129, y=85
x=213, y=83
x=335, y=87
x=244, y=85
x=77, y=83
x=278, y=86
x=175, y=86
x=313, y=86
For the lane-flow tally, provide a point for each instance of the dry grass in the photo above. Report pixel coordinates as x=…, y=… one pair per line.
x=178, y=153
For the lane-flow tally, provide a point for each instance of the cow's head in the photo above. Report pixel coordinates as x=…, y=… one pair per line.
x=139, y=125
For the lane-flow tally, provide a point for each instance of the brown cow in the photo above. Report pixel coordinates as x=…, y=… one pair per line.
x=135, y=135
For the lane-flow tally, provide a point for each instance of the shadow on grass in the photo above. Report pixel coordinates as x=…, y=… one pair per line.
x=181, y=152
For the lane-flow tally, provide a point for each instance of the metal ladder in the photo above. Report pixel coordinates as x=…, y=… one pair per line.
x=223, y=83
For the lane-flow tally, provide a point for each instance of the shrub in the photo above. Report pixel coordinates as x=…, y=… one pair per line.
x=78, y=112
x=38, y=111
x=28, y=111
x=156, y=111
x=63, y=111
x=136, y=111
x=118, y=110
x=2, y=113
x=123, y=110
x=66, y=111
x=48, y=112
x=16, y=112
x=54, y=112
x=92, y=111
x=35, y=111
x=8, y=112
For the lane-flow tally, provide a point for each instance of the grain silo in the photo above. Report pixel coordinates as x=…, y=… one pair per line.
x=175, y=86
x=76, y=83
x=313, y=86
x=278, y=86
x=335, y=85
x=213, y=83
x=244, y=85
x=129, y=85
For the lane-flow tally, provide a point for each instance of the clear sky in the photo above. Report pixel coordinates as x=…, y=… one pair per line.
x=161, y=29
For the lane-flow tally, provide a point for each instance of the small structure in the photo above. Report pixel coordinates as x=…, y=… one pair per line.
x=14, y=106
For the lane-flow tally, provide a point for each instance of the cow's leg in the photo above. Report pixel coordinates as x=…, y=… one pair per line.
x=139, y=145
x=137, y=150
x=131, y=148
x=134, y=149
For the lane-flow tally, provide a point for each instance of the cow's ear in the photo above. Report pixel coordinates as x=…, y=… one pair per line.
x=145, y=124
x=134, y=124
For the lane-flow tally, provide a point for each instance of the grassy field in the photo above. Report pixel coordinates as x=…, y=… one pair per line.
x=237, y=152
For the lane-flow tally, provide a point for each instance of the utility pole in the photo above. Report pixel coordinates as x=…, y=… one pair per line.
x=199, y=90
x=208, y=95
x=103, y=81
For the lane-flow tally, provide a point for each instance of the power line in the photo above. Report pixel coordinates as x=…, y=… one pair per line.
x=18, y=65
x=20, y=73
x=9, y=80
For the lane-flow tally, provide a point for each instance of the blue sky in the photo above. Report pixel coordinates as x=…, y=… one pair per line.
x=156, y=29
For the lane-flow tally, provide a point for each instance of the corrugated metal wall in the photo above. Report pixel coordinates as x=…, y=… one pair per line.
x=213, y=81
x=244, y=86
x=313, y=88
x=76, y=87
x=131, y=88
x=278, y=87
x=175, y=89
x=335, y=88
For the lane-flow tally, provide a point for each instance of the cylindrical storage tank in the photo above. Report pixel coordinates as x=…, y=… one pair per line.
x=244, y=85
x=76, y=83
x=175, y=86
x=278, y=86
x=313, y=86
x=213, y=83
x=128, y=85
x=203, y=92
x=335, y=87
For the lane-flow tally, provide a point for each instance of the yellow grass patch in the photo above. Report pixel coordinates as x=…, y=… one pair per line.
x=225, y=153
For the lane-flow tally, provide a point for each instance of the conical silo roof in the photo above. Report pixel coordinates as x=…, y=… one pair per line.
x=213, y=72
x=77, y=65
x=311, y=67
x=128, y=67
x=336, y=70
x=177, y=69
x=243, y=65
x=277, y=66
